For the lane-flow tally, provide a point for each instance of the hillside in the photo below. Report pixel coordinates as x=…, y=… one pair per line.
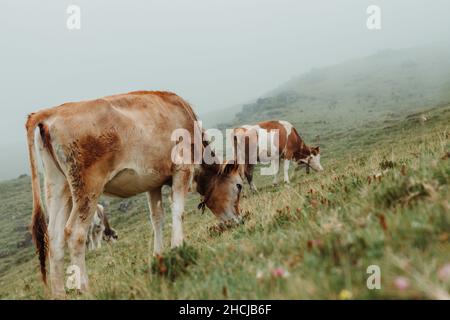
x=15, y=208
x=363, y=92
x=384, y=201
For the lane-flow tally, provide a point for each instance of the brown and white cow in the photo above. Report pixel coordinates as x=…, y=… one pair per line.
x=290, y=147
x=118, y=145
x=100, y=229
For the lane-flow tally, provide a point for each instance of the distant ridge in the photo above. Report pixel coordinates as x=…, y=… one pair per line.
x=374, y=87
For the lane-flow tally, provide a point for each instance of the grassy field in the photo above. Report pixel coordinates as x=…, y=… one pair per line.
x=382, y=200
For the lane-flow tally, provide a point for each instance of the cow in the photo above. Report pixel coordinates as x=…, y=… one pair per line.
x=119, y=145
x=290, y=147
x=100, y=229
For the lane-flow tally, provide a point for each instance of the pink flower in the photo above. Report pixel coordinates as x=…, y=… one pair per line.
x=279, y=273
x=401, y=283
x=444, y=272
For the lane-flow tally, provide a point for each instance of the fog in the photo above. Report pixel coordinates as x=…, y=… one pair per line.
x=214, y=53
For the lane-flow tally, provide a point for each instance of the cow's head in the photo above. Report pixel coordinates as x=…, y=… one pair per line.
x=309, y=156
x=110, y=235
x=220, y=187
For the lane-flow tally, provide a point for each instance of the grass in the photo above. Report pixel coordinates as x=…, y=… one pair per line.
x=175, y=262
x=383, y=200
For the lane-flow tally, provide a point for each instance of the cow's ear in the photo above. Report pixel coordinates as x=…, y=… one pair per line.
x=315, y=151
x=231, y=167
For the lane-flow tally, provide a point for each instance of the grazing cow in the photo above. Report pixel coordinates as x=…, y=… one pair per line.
x=100, y=229
x=121, y=146
x=290, y=147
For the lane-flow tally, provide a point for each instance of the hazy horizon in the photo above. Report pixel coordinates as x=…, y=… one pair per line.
x=215, y=54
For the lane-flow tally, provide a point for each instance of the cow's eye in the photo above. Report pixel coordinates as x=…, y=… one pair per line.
x=239, y=186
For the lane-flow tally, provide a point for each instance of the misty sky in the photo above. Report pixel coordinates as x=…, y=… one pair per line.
x=214, y=53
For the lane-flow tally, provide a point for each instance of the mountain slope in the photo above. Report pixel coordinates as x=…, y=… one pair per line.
x=382, y=202
x=357, y=93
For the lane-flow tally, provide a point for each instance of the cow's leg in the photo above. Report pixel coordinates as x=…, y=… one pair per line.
x=90, y=238
x=277, y=168
x=94, y=240
x=76, y=230
x=58, y=203
x=99, y=239
x=249, y=175
x=286, y=170
x=180, y=185
x=157, y=217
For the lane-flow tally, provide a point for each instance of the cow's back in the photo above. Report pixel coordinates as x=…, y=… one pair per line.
x=126, y=136
x=273, y=125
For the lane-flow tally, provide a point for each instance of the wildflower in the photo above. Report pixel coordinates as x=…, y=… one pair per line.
x=401, y=283
x=345, y=294
x=279, y=272
x=444, y=272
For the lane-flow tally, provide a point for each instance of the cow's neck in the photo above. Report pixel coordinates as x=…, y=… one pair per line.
x=304, y=150
x=204, y=177
x=301, y=147
x=204, y=173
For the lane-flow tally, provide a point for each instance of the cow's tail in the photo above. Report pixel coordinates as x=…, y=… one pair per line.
x=38, y=222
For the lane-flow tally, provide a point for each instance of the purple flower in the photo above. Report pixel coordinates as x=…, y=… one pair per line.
x=444, y=272
x=279, y=272
x=401, y=283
